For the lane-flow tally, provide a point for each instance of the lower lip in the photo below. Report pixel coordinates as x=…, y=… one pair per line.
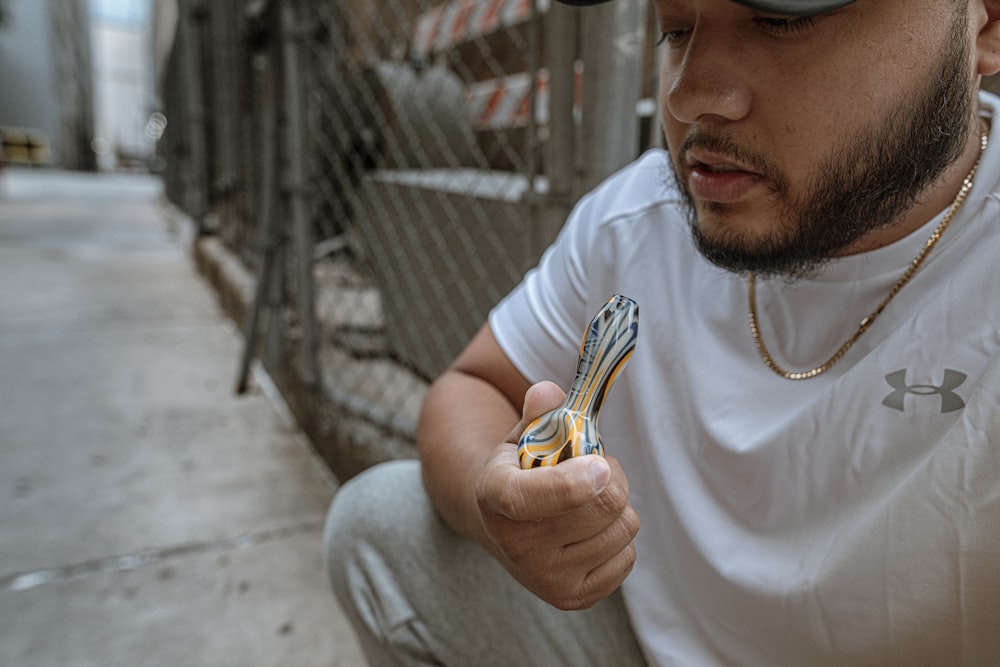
x=723, y=188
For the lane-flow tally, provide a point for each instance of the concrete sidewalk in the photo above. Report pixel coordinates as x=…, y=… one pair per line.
x=148, y=516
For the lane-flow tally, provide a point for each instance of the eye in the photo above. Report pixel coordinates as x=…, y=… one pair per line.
x=785, y=25
x=673, y=38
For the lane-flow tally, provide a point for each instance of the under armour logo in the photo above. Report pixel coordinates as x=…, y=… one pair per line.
x=950, y=401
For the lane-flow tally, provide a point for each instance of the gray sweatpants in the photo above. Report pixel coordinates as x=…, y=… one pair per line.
x=418, y=594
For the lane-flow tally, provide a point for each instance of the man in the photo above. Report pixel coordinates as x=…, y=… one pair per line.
x=809, y=427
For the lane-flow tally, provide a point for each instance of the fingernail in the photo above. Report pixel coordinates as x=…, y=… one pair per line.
x=600, y=471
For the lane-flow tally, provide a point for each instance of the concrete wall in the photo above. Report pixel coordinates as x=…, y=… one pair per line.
x=46, y=78
x=28, y=70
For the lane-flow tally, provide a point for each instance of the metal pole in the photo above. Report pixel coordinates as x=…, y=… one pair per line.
x=225, y=108
x=534, y=139
x=296, y=184
x=614, y=35
x=269, y=271
x=196, y=185
x=559, y=154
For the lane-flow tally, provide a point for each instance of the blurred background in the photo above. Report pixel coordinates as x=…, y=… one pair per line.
x=366, y=179
x=78, y=84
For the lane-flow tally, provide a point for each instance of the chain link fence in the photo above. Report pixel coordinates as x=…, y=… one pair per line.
x=384, y=173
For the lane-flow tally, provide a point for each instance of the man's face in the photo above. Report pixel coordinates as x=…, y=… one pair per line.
x=794, y=139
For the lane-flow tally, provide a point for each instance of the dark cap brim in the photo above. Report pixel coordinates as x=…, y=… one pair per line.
x=786, y=7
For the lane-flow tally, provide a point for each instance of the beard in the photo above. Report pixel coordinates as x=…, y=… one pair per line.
x=867, y=184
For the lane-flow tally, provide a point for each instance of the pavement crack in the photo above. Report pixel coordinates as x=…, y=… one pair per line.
x=20, y=581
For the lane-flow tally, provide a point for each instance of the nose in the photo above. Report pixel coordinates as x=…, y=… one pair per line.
x=706, y=78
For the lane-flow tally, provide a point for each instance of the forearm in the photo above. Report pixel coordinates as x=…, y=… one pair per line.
x=463, y=418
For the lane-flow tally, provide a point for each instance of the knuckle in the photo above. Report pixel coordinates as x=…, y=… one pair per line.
x=583, y=598
x=603, y=582
x=576, y=602
x=613, y=499
x=630, y=522
x=629, y=555
x=559, y=585
x=619, y=474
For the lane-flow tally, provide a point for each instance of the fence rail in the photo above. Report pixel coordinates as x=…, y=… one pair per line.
x=385, y=172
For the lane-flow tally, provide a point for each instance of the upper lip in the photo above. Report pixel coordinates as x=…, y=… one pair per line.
x=697, y=157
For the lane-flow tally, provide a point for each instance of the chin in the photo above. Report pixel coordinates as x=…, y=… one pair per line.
x=740, y=226
x=768, y=252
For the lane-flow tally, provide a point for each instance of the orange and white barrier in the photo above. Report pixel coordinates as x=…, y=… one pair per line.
x=462, y=20
x=506, y=102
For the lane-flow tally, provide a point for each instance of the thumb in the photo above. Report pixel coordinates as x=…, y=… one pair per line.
x=540, y=493
x=539, y=399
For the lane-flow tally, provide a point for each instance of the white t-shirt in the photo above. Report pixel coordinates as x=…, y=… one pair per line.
x=850, y=519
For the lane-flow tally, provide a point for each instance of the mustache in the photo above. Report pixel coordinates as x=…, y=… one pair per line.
x=725, y=145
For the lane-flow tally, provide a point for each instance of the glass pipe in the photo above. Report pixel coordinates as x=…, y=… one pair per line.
x=571, y=429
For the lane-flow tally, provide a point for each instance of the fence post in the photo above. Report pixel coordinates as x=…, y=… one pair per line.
x=270, y=271
x=295, y=183
x=560, y=151
x=196, y=180
x=613, y=38
x=224, y=74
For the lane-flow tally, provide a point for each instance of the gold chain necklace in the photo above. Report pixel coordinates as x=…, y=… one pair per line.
x=956, y=204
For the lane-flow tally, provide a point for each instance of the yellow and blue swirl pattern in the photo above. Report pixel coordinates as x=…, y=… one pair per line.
x=571, y=430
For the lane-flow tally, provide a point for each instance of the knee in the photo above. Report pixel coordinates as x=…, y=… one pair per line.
x=367, y=513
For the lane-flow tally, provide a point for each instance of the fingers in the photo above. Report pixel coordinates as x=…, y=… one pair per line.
x=603, y=580
x=610, y=508
x=540, y=493
x=576, y=575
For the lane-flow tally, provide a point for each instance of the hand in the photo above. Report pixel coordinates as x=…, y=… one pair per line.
x=564, y=532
